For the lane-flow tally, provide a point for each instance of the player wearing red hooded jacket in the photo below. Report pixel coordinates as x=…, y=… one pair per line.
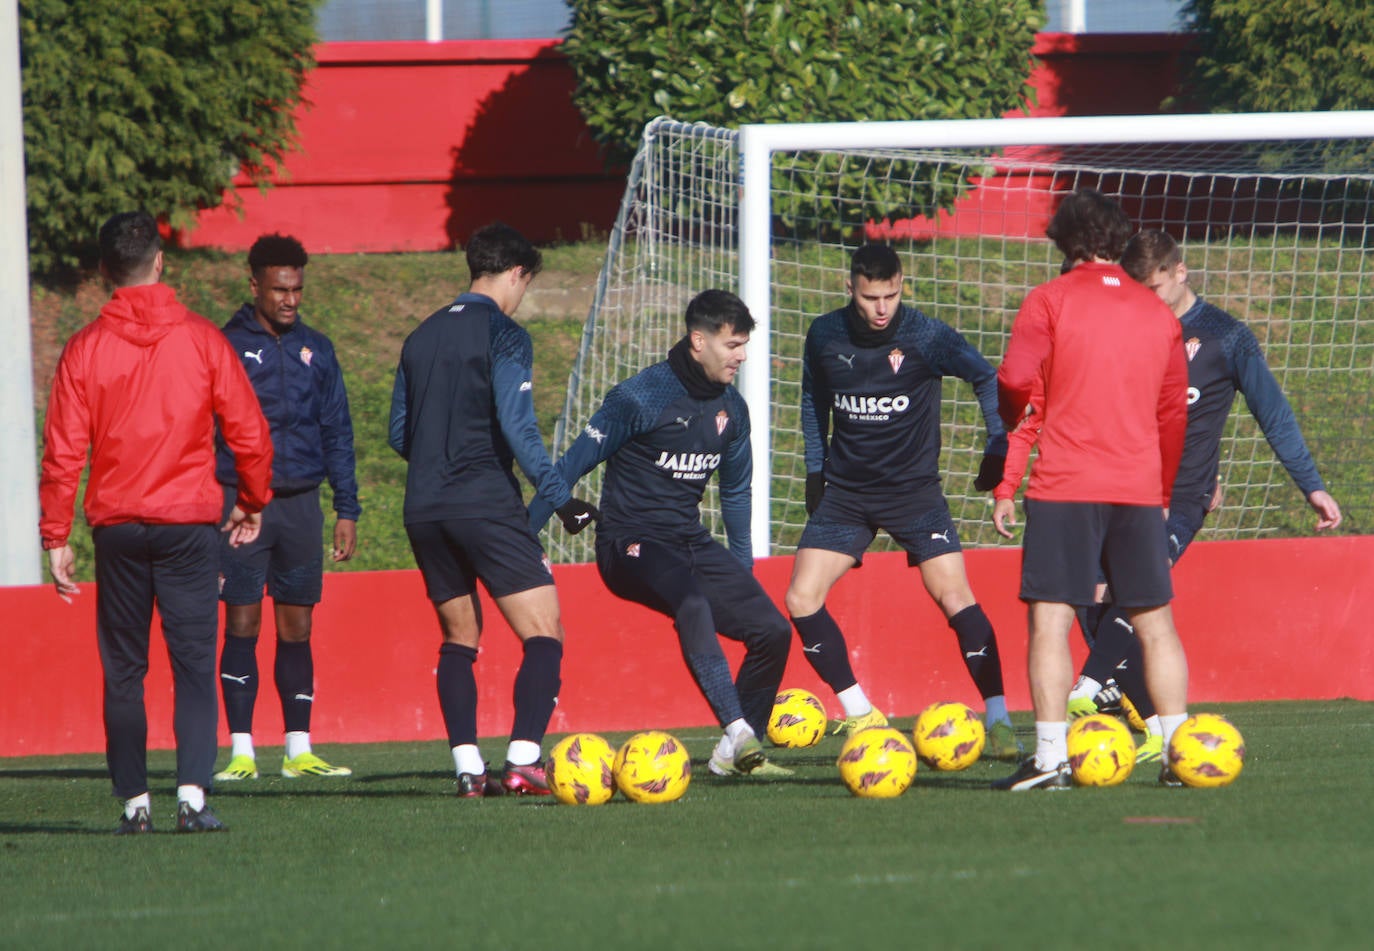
x=141, y=389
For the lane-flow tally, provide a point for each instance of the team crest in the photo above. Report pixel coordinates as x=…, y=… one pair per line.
x=307, y=355
x=895, y=358
x=632, y=550
x=1192, y=346
x=722, y=420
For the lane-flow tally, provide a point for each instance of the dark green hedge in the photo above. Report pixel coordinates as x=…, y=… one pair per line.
x=155, y=105
x=731, y=62
x=1293, y=56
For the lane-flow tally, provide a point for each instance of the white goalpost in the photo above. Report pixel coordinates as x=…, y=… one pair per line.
x=1274, y=212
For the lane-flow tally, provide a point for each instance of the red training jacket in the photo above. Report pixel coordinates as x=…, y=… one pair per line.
x=1116, y=388
x=141, y=387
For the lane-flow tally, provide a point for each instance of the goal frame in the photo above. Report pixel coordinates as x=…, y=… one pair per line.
x=758, y=143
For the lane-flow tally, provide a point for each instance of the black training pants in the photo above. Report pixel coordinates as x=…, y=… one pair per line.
x=176, y=567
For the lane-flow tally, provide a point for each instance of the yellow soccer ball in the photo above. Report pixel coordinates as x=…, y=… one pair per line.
x=652, y=767
x=878, y=763
x=798, y=719
x=1207, y=750
x=579, y=770
x=1101, y=751
x=949, y=736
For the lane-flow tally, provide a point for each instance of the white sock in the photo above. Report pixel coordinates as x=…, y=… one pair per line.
x=725, y=749
x=1086, y=687
x=193, y=796
x=1153, y=727
x=1051, y=743
x=243, y=745
x=854, y=702
x=738, y=731
x=995, y=710
x=1168, y=724
x=297, y=742
x=522, y=752
x=142, y=800
x=467, y=758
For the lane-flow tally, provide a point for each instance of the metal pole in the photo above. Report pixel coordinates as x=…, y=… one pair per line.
x=20, y=553
x=754, y=286
x=434, y=20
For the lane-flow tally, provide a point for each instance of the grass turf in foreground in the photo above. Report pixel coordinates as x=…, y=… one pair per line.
x=1281, y=858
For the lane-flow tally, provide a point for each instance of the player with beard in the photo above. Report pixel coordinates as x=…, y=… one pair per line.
x=663, y=433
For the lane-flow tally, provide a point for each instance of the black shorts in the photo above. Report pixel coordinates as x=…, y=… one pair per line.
x=456, y=553
x=847, y=522
x=661, y=575
x=287, y=556
x=1066, y=544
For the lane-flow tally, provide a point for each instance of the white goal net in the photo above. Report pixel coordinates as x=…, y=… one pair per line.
x=1275, y=229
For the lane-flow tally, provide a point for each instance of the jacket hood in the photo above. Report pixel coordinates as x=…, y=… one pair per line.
x=143, y=314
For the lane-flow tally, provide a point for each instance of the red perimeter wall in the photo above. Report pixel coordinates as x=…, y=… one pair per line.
x=410, y=146
x=1261, y=620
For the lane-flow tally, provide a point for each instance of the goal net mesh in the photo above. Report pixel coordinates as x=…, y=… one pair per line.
x=1277, y=234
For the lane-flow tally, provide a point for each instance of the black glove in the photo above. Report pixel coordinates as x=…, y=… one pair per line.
x=990, y=471
x=577, y=515
x=815, y=488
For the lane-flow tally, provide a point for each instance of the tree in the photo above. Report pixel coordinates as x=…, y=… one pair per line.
x=1283, y=55
x=730, y=62
x=154, y=105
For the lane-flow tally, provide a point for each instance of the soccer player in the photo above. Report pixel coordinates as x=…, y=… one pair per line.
x=300, y=386
x=1125, y=675
x=1223, y=357
x=140, y=388
x=462, y=411
x=662, y=434
x=875, y=368
x=1110, y=358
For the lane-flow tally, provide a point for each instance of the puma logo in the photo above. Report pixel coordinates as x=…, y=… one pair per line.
x=847, y=360
x=256, y=356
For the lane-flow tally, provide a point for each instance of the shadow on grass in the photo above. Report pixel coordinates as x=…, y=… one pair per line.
x=70, y=772
x=48, y=827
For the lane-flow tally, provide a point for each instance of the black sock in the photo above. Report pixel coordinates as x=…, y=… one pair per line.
x=536, y=688
x=1117, y=655
x=238, y=668
x=978, y=644
x=1089, y=617
x=295, y=675
x=824, y=648
x=458, y=692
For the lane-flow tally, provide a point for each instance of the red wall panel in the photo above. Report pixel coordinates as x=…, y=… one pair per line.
x=410, y=146
x=1262, y=620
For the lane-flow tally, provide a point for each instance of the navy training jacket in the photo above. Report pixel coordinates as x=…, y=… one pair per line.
x=301, y=390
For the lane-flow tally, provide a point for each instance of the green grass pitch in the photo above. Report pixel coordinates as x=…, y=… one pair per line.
x=1283, y=858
